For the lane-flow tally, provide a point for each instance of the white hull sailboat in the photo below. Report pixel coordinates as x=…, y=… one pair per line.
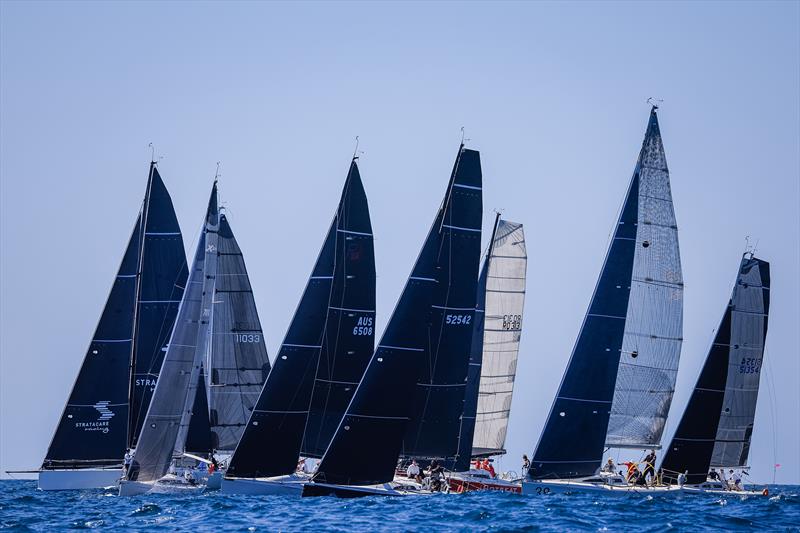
x=289, y=485
x=80, y=479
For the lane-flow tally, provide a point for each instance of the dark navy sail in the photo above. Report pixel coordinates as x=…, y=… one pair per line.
x=349, y=337
x=433, y=431
x=199, y=439
x=574, y=436
x=371, y=433
x=719, y=415
x=271, y=443
x=462, y=461
x=93, y=430
x=162, y=277
x=96, y=425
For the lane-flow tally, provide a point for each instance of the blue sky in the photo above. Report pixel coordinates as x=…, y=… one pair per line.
x=552, y=94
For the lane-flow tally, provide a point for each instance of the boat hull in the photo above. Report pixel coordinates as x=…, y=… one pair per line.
x=546, y=487
x=464, y=482
x=312, y=489
x=79, y=479
x=214, y=481
x=134, y=488
x=279, y=485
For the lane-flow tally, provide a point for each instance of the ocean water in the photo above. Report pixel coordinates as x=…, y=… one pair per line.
x=23, y=508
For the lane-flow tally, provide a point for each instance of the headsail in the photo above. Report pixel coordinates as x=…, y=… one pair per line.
x=376, y=420
x=271, y=443
x=505, y=300
x=168, y=417
x=717, y=425
x=619, y=381
x=94, y=428
x=237, y=359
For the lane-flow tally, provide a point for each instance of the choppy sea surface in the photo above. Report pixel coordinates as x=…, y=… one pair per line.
x=23, y=508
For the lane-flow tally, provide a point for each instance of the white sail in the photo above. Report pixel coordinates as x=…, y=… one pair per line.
x=505, y=299
x=653, y=333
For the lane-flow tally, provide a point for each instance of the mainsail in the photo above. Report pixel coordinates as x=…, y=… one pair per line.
x=371, y=433
x=717, y=425
x=114, y=384
x=505, y=300
x=619, y=383
x=335, y=317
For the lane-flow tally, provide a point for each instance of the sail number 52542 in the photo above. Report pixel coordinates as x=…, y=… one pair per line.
x=458, y=319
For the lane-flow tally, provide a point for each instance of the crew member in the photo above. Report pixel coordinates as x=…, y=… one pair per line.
x=413, y=471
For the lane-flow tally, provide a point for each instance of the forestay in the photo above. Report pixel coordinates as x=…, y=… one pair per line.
x=505, y=300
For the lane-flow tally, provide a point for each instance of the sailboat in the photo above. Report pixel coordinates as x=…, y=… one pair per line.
x=411, y=396
x=493, y=362
x=215, y=363
x=618, y=385
x=717, y=425
x=105, y=410
x=321, y=360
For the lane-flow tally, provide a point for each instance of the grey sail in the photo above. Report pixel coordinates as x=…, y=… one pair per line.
x=237, y=360
x=749, y=312
x=157, y=439
x=505, y=300
x=168, y=417
x=651, y=344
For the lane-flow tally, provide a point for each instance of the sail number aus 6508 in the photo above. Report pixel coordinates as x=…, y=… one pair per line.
x=364, y=326
x=458, y=319
x=247, y=337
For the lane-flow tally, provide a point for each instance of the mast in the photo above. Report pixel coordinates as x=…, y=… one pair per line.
x=467, y=431
x=135, y=331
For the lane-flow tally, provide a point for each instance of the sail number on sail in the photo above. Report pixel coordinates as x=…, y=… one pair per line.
x=364, y=326
x=512, y=322
x=458, y=319
x=246, y=337
x=750, y=365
